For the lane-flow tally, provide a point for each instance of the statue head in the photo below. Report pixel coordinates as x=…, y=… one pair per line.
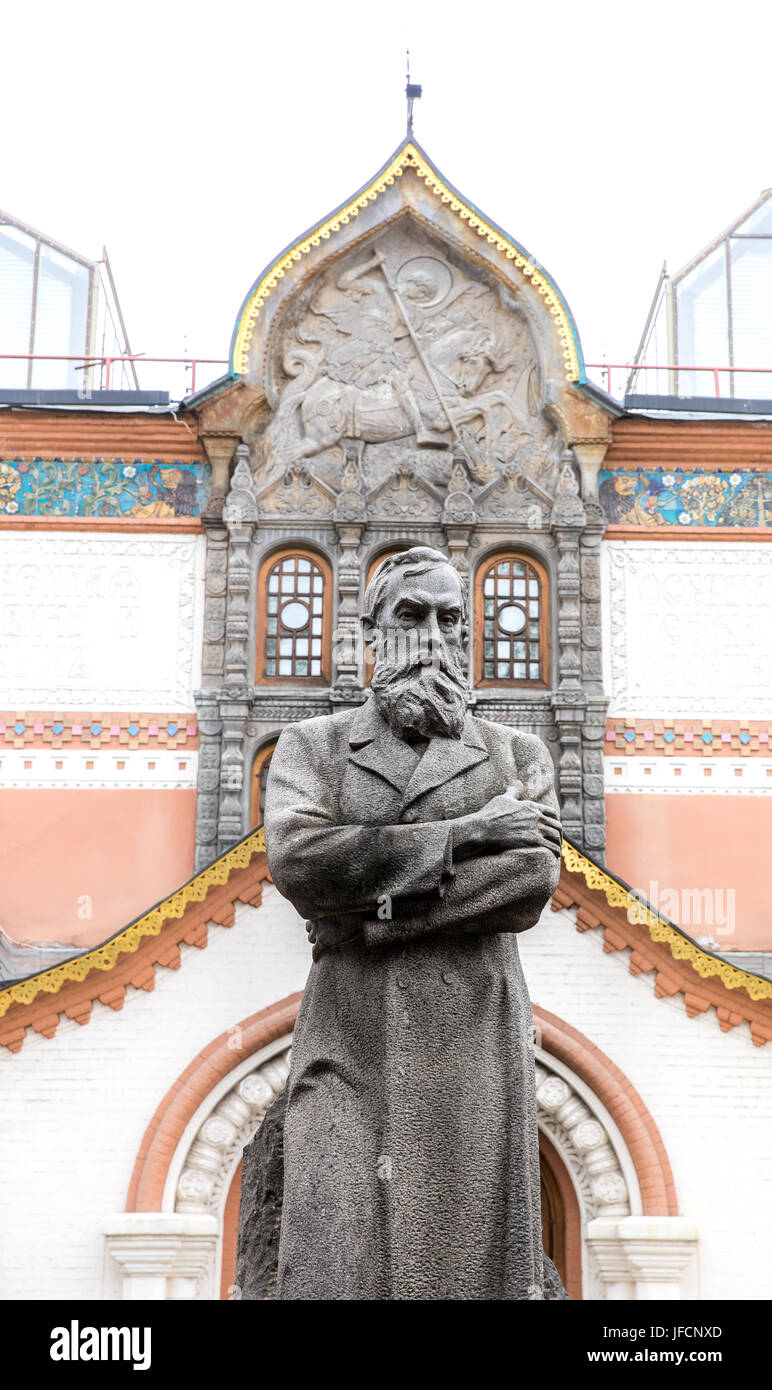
x=415, y=627
x=419, y=287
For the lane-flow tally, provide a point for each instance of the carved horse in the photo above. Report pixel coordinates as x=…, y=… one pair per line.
x=329, y=411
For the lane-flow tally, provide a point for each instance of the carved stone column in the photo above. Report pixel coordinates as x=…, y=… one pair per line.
x=230, y=824
x=459, y=516
x=240, y=516
x=208, y=799
x=594, y=815
x=459, y=520
x=350, y=520
x=216, y=578
x=223, y=704
x=213, y=665
x=568, y=702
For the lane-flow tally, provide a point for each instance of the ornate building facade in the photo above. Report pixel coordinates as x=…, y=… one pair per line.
x=404, y=374
x=179, y=584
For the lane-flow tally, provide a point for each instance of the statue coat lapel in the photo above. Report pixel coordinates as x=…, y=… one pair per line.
x=375, y=747
x=444, y=759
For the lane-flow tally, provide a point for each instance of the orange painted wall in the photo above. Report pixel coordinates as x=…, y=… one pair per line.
x=698, y=842
x=123, y=849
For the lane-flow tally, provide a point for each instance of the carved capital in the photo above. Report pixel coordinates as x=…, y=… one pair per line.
x=219, y=449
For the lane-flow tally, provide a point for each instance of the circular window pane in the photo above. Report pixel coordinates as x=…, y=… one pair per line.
x=511, y=618
x=294, y=615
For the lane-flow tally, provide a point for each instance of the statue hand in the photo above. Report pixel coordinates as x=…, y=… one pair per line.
x=507, y=823
x=324, y=935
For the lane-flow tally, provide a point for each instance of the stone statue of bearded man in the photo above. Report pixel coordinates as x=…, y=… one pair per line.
x=418, y=841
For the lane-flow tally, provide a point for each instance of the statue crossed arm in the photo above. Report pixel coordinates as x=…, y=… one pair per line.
x=474, y=871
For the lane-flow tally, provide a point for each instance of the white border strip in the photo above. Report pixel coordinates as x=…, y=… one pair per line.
x=165, y=769
x=688, y=776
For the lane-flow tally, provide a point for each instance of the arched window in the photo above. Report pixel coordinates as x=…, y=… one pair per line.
x=511, y=622
x=294, y=620
x=259, y=778
x=385, y=555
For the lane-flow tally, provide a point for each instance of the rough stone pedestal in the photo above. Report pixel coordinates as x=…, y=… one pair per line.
x=262, y=1187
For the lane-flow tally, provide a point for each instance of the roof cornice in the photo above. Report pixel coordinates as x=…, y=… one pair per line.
x=409, y=155
x=130, y=957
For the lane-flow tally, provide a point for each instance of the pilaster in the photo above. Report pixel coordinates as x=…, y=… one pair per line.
x=160, y=1256
x=643, y=1258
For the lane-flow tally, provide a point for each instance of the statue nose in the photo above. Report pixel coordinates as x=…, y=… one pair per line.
x=431, y=638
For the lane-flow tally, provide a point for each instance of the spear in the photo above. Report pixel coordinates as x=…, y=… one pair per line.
x=426, y=365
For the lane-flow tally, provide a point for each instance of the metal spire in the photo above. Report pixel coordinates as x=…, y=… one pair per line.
x=412, y=92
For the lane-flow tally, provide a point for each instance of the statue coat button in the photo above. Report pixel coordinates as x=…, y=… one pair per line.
x=448, y=977
x=402, y=981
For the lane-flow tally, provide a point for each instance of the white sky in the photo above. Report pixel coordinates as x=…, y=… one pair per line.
x=196, y=140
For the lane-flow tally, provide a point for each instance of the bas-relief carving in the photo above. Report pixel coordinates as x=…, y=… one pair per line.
x=406, y=496
x=298, y=493
x=110, y=622
x=688, y=631
x=399, y=344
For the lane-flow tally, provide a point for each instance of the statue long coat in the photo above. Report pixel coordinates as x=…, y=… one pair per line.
x=411, y=1147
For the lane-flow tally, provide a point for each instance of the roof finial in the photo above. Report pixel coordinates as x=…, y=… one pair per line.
x=412, y=92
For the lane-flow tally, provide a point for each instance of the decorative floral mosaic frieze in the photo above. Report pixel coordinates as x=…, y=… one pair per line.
x=653, y=497
x=102, y=488
x=98, y=731
x=687, y=738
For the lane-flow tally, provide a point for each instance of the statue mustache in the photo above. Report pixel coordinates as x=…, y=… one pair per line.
x=422, y=695
x=437, y=668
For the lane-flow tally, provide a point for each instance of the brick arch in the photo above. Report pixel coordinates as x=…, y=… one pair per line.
x=261, y=757
x=623, y=1103
x=566, y=1252
x=191, y=1088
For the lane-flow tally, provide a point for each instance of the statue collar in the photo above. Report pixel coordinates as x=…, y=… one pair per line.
x=375, y=747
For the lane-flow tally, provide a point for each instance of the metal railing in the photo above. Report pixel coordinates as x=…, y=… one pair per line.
x=99, y=370
x=104, y=365
x=674, y=369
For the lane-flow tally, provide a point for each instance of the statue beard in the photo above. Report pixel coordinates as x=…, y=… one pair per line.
x=422, y=700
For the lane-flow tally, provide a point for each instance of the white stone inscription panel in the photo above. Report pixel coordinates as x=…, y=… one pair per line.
x=688, y=628
x=100, y=622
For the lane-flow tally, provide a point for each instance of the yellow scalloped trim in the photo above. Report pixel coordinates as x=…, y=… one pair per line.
x=105, y=957
x=680, y=947
x=408, y=158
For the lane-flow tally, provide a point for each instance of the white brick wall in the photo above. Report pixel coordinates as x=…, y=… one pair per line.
x=75, y=1108
x=709, y=1093
x=686, y=628
x=101, y=621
